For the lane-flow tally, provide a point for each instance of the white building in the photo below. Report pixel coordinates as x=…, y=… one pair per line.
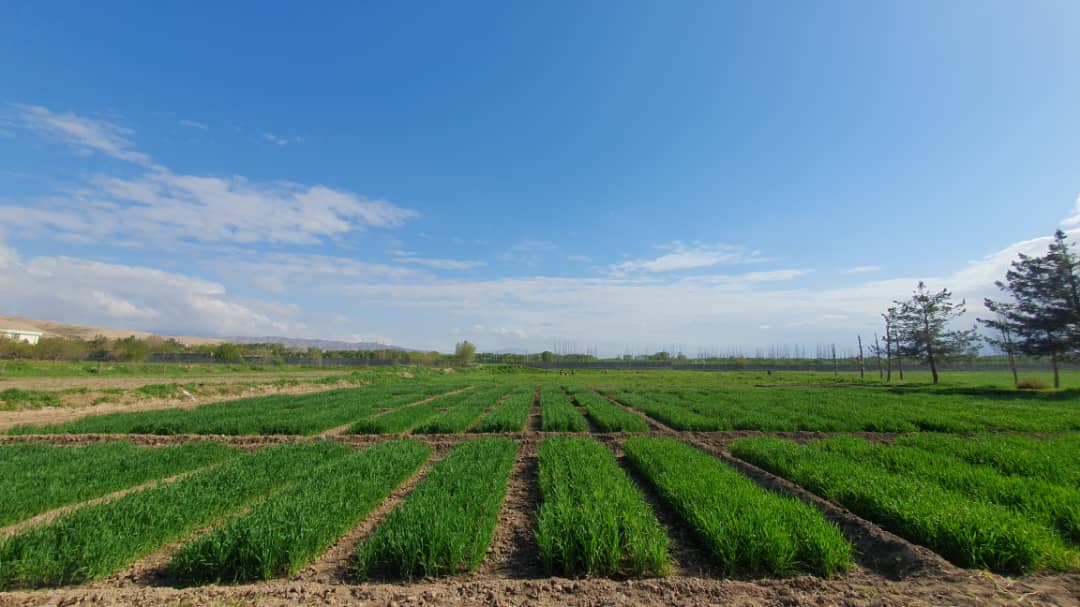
x=30, y=337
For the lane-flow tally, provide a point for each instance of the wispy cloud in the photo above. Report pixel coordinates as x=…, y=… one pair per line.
x=441, y=264
x=281, y=140
x=191, y=124
x=527, y=252
x=862, y=270
x=84, y=133
x=688, y=257
x=1074, y=218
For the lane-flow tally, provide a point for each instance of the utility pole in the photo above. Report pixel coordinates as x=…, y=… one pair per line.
x=877, y=353
x=862, y=368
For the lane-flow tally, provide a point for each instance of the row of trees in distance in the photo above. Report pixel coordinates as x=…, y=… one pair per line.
x=1039, y=317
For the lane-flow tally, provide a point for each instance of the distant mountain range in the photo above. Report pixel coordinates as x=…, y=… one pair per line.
x=322, y=344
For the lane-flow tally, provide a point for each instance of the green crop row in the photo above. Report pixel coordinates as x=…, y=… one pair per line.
x=850, y=409
x=511, y=415
x=592, y=519
x=94, y=541
x=445, y=524
x=289, y=530
x=1055, y=460
x=557, y=413
x=36, y=478
x=968, y=532
x=609, y=417
x=460, y=417
x=747, y=529
x=404, y=419
x=1052, y=505
x=306, y=414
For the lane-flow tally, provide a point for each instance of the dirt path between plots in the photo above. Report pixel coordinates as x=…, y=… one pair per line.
x=130, y=382
x=858, y=587
x=57, y=415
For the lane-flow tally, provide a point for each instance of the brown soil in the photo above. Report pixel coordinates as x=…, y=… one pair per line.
x=80, y=403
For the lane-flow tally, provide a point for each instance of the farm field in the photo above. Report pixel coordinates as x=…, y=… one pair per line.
x=526, y=487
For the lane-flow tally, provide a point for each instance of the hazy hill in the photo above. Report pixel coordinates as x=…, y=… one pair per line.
x=322, y=344
x=71, y=331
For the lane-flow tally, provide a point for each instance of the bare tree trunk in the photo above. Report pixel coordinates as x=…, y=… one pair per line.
x=888, y=353
x=877, y=354
x=835, y=369
x=1006, y=338
x=862, y=367
x=1054, y=362
x=929, y=348
x=900, y=361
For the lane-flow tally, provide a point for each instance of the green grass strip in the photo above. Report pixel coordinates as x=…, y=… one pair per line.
x=280, y=414
x=95, y=541
x=608, y=416
x=510, y=416
x=1056, y=460
x=459, y=417
x=406, y=418
x=1045, y=503
x=557, y=414
x=444, y=526
x=36, y=478
x=968, y=532
x=593, y=520
x=747, y=529
x=286, y=532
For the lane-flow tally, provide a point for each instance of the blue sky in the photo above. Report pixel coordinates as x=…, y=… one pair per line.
x=623, y=176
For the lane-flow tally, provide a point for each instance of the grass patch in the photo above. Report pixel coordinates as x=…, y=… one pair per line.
x=285, y=533
x=35, y=478
x=446, y=523
x=747, y=529
x=557, y=414
x=511, y=415
x=95, y=541
x=593, y=520
x=967, y=532
x=608, y=416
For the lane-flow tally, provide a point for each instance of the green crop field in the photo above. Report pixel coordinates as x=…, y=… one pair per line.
x=91, y=542
x=624, y=475
x=511, y=415
x=592, y=519
x=608, y=416
x=287, y=531
x=35, y=478
x=305, y=415
x=748, y=530
x=557, y=413
x=969, y=531
x=445, y=525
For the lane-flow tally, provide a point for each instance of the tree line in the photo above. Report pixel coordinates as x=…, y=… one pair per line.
x=1038, y=317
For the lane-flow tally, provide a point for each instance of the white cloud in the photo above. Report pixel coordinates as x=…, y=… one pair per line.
x=84, y=133
x=684, y=257
x=191, y=124
x=579, y=258
x=129, y=297
x=862, y=270
x=441, y=264
x=161, y=205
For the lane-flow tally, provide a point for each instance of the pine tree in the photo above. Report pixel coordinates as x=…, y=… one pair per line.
x=1044, y=317
x=922, y=332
